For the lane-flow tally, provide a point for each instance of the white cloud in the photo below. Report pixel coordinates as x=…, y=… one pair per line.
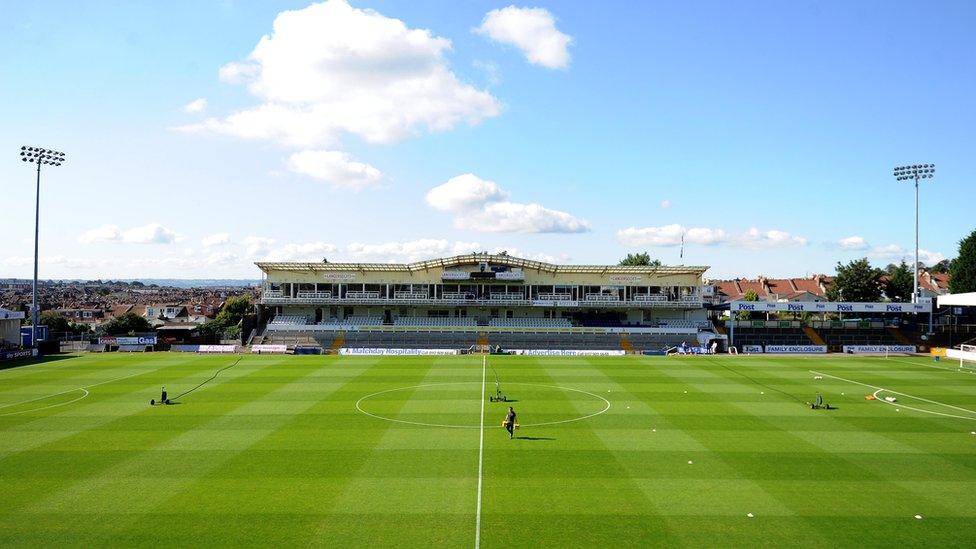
x=105, y=233
x=548, y=258
x=665, y=204
x=464, y=192
x=266, y=249
x=481, y=205
x=195, y=106
x=853, y=243
x=490, y=70
x=257, y=246
x=754, y=238
x=411, y=250
x=330, y=69
x=337, y=168
x=532, y=30
x=222, y=258
x=513, y=217
x=305, y=251
x=670, y=235
x=894, y=252
x=153, y=233
x=217, y=239
x=58, y=261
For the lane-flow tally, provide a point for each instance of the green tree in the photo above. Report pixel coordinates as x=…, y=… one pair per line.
x=857, y=281
x=751, y=295
x=229, y=316
x=128, y=323
x=962, y=275
x=639, y=260
x=898, y=287
x=55, y=322
x=943, y=266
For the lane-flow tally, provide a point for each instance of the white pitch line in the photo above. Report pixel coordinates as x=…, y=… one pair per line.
x=82, y=388
x=481, y=455
x=50, y=406
x=904, y=395
x=947, y=369
x=360, y=409
x=900, y=405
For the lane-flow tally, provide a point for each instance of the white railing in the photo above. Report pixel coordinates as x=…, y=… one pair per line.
x=274, y=293
x=556, y=297
x=507, y=297
x=362, y=295
x=649, y=297
x=457, y=295
x=411, y=295
x=602, y=297
x=314, y=295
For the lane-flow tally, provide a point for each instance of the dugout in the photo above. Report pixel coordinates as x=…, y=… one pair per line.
x=10, y=322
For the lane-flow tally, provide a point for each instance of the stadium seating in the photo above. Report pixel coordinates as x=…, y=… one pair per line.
x=289, y=319
x=837, y=337
x=681, y=323
x=530, y=323
x=362, y=320
x=434, y=321
x=771, y=336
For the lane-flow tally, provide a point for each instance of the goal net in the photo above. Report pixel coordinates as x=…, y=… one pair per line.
x=966, y=354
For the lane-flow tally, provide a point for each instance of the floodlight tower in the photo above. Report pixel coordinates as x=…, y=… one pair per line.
x=49, y=157
x=916, y=172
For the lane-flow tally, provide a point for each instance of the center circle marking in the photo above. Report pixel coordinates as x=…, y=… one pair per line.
x=362, y=399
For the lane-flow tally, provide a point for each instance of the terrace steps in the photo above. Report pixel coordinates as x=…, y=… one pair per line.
x=625, y=344
x=338, y=342
x=899, y=336
x=814, y=336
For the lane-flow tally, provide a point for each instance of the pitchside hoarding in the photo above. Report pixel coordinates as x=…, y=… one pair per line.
x=879, y=348
x=796, y=349
x=127, y=340
x=567, y=352
x=372, y=351
x=829, y=307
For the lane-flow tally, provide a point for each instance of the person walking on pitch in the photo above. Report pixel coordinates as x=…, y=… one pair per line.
x=510, y=422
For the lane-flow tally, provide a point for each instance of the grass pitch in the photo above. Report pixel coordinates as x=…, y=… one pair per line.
x=293, y=450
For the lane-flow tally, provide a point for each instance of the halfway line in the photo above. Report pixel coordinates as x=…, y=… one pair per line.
x=481, y=455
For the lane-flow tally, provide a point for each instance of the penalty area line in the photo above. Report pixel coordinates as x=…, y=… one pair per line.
x=923, y=399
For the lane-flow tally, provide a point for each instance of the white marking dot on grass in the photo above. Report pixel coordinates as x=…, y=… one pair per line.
x=918, y=517
x=750, y=515
x=689, y=462
x=655, y=430
x=762, y=392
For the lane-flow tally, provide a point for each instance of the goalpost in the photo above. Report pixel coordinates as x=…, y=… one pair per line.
x=966, y=354
x=967, y=357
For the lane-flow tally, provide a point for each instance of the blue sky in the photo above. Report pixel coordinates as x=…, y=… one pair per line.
x=765, y=132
